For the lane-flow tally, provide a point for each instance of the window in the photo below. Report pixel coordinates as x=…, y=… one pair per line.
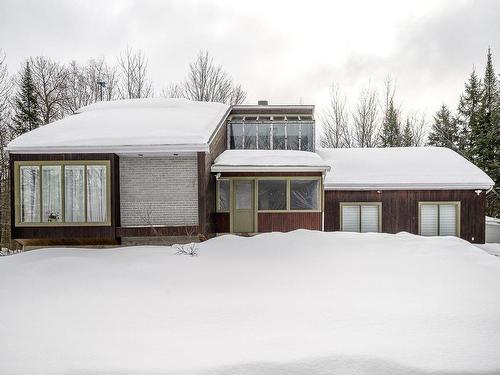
x=360, y=217
x=279, y=139
x=223, y=202
x=62, y=193
x=307, y=137
x=236, y=138
x=250, y=136
x=51, y=193
x=264, y=136
x=272, y=195
x=439, y=218
x=304, y=194
x=293, y=136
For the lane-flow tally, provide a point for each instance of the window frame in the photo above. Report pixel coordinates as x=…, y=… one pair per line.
x=457, y=204
x=62, y=164
x=271, y=124
x=218, y=209
x=288, y=192
x=359, y=204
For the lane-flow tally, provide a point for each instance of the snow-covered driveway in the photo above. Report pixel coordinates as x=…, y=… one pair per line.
x=298, y=303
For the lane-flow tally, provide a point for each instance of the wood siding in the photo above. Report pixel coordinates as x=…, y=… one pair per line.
x=288, y=221
x=222, y=222
x=269, y=174
x=207, y=182
x=400, y=209
x=69, y=235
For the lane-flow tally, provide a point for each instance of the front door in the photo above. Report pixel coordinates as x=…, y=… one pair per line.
x=243, y=206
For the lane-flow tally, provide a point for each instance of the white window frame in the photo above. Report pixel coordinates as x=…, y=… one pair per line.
x=359, y=204
x=438, y=203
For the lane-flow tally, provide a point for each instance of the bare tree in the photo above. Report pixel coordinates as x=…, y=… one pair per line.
x=207, y=82
x=365, y=119
x=50, y=80
x=335, y=121
x=5, y=137
x=83, y=84
x=134, y=82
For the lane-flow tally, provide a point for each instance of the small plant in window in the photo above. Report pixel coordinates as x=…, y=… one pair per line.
x=52, y=216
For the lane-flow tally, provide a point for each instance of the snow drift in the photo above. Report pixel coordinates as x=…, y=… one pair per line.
x=297, y=303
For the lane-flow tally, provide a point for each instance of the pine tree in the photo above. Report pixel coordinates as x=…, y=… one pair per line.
x=407, y=139
x=27, y=115
x=444, y=132
x=390, y=135
x=468, y=114
x=483, y=135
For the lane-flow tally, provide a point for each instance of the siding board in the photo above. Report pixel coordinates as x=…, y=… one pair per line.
x=400, y=209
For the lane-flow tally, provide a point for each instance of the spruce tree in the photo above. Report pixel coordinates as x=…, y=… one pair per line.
x=407, y=139
x=444, y=132
x=390, y=135
x=468, y=114
x=27, y=114
x=483, y=135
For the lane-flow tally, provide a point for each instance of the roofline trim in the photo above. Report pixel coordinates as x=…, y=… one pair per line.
x=408, y=186
x=269, y=168
x=131, y=149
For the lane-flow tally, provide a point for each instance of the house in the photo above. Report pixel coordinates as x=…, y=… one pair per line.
x=124, y=171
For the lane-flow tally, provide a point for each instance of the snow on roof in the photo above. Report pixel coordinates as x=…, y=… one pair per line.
x=401, y=168
x=268, y=160
x=128, y=126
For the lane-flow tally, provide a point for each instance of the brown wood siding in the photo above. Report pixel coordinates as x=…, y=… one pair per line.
x=222, y=222
x=67, y=235
x=207, y=182
x=285, y=222
x=400, y=209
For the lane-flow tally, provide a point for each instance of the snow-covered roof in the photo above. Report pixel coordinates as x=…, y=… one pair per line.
x=269, y=160
x=128, y=126
x=401, y=168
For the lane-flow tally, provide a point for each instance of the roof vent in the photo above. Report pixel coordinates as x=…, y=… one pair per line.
x=262, y=102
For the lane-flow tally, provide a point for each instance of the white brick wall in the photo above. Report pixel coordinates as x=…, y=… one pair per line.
x=159, y=190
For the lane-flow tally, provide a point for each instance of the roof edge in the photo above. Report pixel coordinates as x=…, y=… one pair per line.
x=409, y=186
x=252, y=168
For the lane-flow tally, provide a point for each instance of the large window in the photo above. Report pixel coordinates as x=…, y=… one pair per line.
x=282, y=135
x=304, y=194
x=361, y=217
x=439, y=218
x=51, y=193
x=272, y=195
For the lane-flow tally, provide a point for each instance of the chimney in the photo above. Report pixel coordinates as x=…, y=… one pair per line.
x=262, y=102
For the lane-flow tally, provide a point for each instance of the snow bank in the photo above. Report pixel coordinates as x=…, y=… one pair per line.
x=401, y=168
x=269, y=160
x=299, y=303
x=135, y=125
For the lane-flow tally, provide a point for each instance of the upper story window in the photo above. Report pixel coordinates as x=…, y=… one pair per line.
x=62, y=193
x=271, y=133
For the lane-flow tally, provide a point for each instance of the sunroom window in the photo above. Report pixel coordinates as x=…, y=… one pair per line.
x=304, y=194
x=272, y=195
x=224, y=196
x=58, y=193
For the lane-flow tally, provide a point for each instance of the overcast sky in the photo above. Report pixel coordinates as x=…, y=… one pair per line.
x=283, y=51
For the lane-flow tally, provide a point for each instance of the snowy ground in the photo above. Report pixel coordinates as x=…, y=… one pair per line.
x=492, y=248
x=299, y=303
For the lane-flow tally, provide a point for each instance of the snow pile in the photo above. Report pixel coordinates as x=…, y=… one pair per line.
x=269, y=160
x=492, y=248
x=299, y=303
x=123, y=125
x=401, y=168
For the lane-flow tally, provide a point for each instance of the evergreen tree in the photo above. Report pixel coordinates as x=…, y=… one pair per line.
x=483, y=135
x=390, y=135
x=407, y=139
x=444, y=132
x=468, y=115
x=27, y=115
